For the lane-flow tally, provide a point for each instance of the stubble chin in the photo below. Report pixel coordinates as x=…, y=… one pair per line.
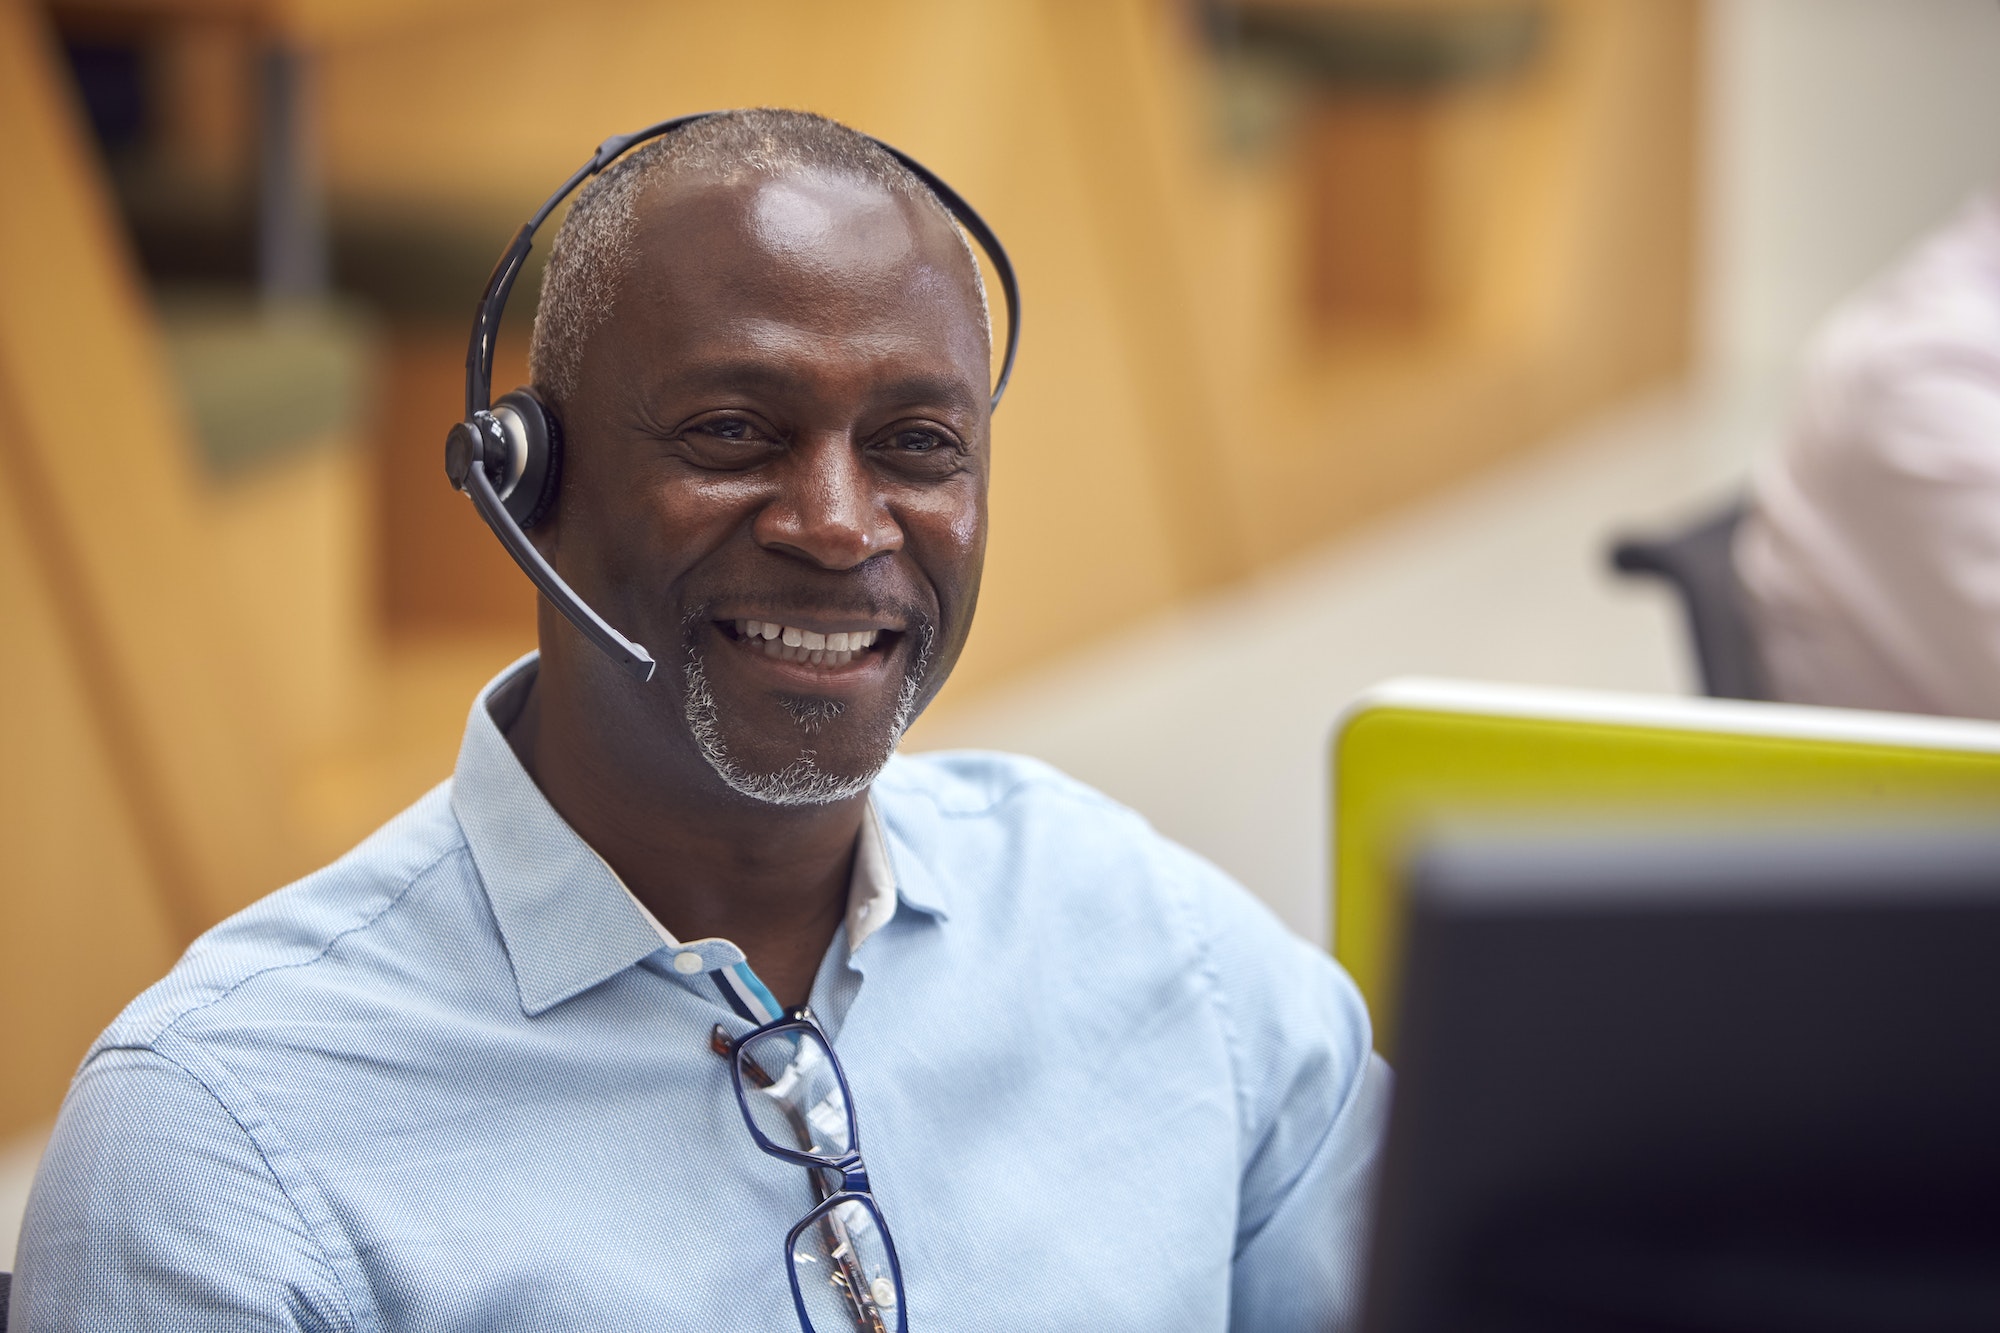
x=800, y=780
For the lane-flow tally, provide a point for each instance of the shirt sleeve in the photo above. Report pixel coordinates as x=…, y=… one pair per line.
x=1313, y=1105
x=1303, y=1266
x=1873, y=557
x=155, y=1209
x=1917, y=493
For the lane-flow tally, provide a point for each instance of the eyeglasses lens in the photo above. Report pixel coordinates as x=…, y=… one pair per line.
x=841, y=1263
x=793, y=1093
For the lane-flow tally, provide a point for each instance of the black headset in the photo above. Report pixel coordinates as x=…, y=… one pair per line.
x=507, y=455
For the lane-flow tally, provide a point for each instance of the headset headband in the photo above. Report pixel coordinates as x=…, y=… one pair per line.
x=482, y=453
x=486, y=324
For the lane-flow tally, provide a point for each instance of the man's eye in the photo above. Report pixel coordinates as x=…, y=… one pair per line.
x=728, y=428
x=729, y=443
x=920, y=451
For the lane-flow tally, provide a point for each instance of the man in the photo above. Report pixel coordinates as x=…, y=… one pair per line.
x=465, y=1077
x=1872, y=557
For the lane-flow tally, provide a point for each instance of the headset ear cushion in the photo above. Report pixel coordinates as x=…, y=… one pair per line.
x=541, y=474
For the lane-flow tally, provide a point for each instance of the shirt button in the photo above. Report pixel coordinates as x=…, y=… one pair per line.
x=687, y=964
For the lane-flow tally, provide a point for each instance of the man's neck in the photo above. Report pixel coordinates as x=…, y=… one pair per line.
x=773, y=880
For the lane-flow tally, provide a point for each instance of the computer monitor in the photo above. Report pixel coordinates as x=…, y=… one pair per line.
x=1696, y=1082
x=1411, y=753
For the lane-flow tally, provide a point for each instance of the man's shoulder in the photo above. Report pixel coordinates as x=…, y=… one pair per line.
x=979, y=813
x=1037, y=861
x=974, y=783
x=291, y=930
x=963, y=798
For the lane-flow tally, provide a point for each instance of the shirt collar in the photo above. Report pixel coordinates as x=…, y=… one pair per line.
x=898, y=823
x=567, y=923
x=567, y=920
x=871, y=888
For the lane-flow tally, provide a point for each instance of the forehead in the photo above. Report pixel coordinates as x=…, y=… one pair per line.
x=816, y=253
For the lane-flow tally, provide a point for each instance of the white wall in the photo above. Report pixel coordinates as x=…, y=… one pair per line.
x=17, y=1172
x=1838, y=131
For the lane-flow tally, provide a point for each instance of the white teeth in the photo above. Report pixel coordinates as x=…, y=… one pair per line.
x=789, y=644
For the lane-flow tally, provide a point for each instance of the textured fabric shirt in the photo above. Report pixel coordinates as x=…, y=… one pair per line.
x=1872, y=555
x=458, y=1081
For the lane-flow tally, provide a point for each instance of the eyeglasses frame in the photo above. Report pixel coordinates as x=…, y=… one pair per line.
x=853, y=1172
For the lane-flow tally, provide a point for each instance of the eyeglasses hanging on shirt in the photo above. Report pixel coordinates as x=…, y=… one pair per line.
x=793, y=1094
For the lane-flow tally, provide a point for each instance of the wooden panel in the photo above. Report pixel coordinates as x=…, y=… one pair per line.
x=439, y=569
x=97, y=448
x=1367, y=261
x=1564, y=253
x=1131, y=121
x=291, y=555
x=1509, y=256
x=82, y=926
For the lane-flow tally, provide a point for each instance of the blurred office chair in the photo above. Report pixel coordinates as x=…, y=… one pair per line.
x=1697, y=561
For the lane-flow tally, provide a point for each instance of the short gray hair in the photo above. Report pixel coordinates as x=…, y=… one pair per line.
x=593, y=250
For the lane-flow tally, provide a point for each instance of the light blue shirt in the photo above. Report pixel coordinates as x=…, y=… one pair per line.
x=458, y=1081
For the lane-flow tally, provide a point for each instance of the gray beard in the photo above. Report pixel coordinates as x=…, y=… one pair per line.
x=802, y=781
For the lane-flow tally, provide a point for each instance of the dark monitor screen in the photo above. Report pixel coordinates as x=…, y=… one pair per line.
x=1696, y=1083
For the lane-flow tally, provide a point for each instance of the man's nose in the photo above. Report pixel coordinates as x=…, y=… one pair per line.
x=829, y=509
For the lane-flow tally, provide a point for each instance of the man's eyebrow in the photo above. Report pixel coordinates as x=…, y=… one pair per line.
x=744, y=374
x=761, y=376
x=940, y=389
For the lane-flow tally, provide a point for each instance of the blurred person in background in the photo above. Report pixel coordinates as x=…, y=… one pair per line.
x=536, y=1054
x=1871, y=554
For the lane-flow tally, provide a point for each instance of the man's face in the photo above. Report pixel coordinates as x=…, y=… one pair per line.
x=780, y=430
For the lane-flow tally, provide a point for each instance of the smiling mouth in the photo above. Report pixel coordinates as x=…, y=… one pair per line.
x=789, y=643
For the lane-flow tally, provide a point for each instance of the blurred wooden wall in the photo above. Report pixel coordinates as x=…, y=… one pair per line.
x=136, y=805
x=1231, y=356
x=1185, y=412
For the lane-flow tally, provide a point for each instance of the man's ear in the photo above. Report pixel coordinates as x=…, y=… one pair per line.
x=534, y=432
